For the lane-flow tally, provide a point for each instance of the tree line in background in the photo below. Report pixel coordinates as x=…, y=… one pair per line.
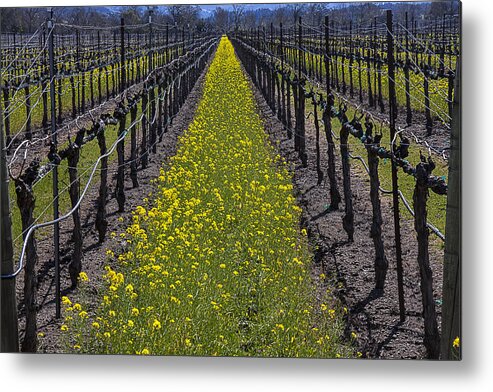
x=223, y=18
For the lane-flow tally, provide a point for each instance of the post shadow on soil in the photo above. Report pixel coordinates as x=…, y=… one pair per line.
x=373, y=348
x=372, y=295
x=321, y=214
x=388, y=339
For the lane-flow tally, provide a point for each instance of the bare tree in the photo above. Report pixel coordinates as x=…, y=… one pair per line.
x=296, y=10
x=132, y=15
x=221, y=19
x=315, y=13
x=238, y=13
x=184, y=15
x=280, y=16
x=250, y=19
x=32, y=18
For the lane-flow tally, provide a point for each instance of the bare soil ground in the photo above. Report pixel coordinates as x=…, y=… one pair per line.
x=372, y=316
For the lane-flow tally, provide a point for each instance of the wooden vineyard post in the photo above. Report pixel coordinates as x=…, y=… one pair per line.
x=348, y=218
x=26, y=202
x=409, y=114
x=426, y=88
x=296, y=115
x=77, y=67
x=378, y=75
x=113, y=80
x=373, y=43
x=54, y=146
x=300, y=123
x=267, y=89
x=300, y=118
x=120, y=177
x=343, y=67
x=360, y=82
x=395, y=184
x=133, y=146
x=452, y=265
x=351, y=58
x=6, y=105
x=123, y=76
x=277, y=87
x=73, y=156
x=283, y=88
x=27, y=100
x=74, y=100
x=379, y=72
x=153, y=120
x=368, y=75
x=166, y=89
x=289, y=121
x=272, y=74
x=381, y=264
x=160, y=117
x=335, y=63
x=9, y=330
x=143, y=145
x=277, y=73
x=100, y=69
x=59, y=80
x=44, y=93
x=166, y=53
x=101, y=222
x=420, y=197
x=82, y=86
x=320, y=174
x=335, y=197
x=450, y=92
x=258, y=75
x=442, y=51
x=107, y=76
x=176, y=94
x=169, y=98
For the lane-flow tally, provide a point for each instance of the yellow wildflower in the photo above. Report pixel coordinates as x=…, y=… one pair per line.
x=456, y=343
x=83, y=277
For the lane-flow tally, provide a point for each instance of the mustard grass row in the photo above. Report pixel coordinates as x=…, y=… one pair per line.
x=216, y=263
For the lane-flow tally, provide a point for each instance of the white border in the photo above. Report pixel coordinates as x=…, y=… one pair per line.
x=120, y=373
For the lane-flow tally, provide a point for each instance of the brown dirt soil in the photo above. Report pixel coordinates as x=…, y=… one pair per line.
x=94, y=254
x=349, y=266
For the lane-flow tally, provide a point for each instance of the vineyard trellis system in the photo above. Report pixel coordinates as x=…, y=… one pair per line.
x=84, y=82
x=283, y=65
x=424, y=61
x=110, y=74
